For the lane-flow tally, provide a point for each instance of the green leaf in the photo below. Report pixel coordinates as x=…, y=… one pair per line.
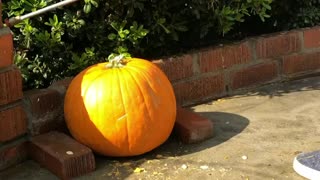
x=175, y=36
x=139, y=5
x=134, y=26
x=122, y=49
x=112, y=36
x=123, y=24
x=56, y=21
x=161, y=20
x=267, y=16
x=94, y=3
x=115, y=26
x=144, y=32
x=126, y=54
x=181, y=28
x=126, y=31
x=262, y=18
x=267, y=6
x=165, y=29
x=81, y=22
x=87, y=8
x=122, y=34
x=130, y=12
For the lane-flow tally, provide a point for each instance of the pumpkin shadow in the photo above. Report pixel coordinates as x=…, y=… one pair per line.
x=226, y=126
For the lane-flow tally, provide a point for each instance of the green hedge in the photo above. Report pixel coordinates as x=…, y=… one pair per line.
x=61, y=43
x=290, y=14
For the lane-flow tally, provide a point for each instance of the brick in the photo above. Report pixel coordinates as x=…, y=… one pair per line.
x=43, y=101
x=46, y=110
x=191, y=127
x=301, y=63
x=312, y=38
x=254, y=75
x=199, y=89
x=12, y=155
x=13, y=123
x=224, y=57
x=62, y=155
x=176, y=68
x=274, y=46
x=210, y=60
x=6, y=47
x=10, y=85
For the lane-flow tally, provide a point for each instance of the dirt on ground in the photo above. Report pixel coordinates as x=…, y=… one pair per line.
x=257, y=136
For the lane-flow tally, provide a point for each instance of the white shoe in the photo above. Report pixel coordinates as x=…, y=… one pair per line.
x=308, y=165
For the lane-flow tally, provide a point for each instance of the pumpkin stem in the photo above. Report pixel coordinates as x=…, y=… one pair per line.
x=116, y=62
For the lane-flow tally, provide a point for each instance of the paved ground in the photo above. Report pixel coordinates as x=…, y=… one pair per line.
x=257, y=136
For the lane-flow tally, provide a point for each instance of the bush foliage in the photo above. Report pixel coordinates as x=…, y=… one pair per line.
x=290, y=14
x=62, y=42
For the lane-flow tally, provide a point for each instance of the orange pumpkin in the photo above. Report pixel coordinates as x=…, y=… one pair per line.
x=123, y=108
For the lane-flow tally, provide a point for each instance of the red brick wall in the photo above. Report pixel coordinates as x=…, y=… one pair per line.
x=13, y=120
x=196, y=77
x=228, y=69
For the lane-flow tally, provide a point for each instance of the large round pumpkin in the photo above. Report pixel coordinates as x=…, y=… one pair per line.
x=123, y=108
